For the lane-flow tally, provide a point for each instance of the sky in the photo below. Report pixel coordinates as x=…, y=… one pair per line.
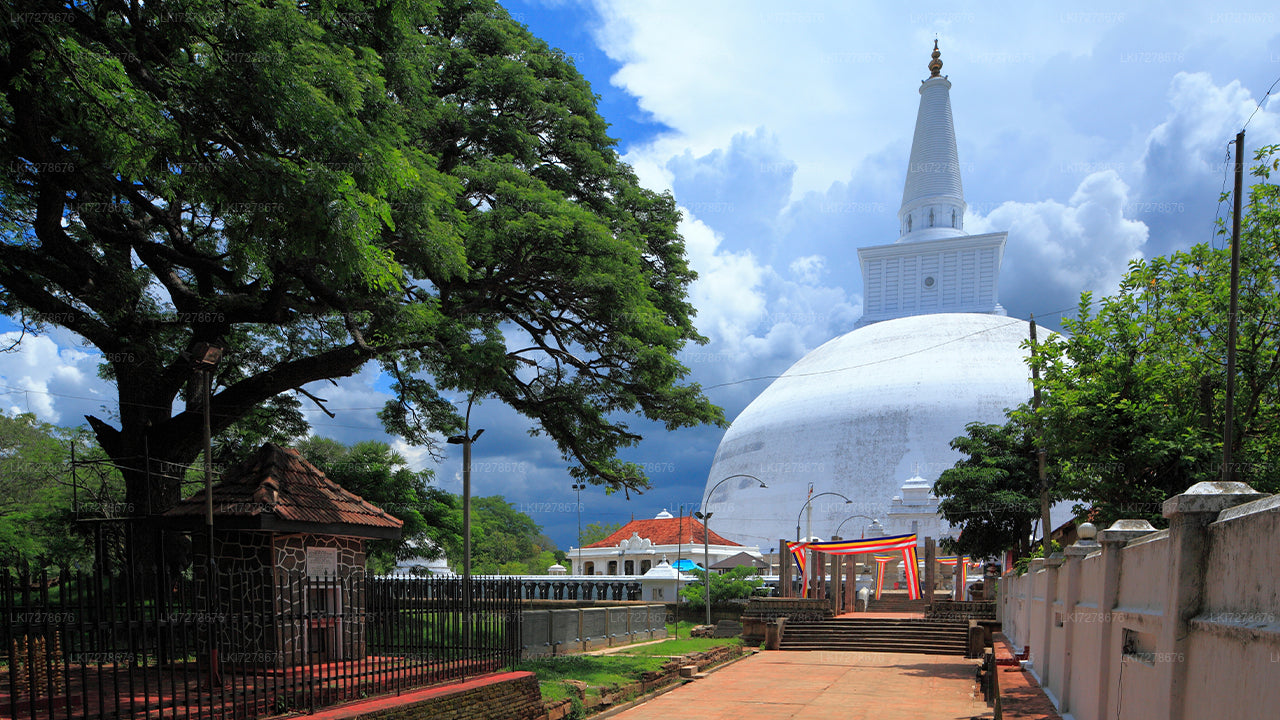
x=1095, y=134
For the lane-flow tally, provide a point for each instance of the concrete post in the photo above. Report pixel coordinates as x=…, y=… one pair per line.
x=1189, y=516
x=815, y=571
x=1033, y=570
x=850, y=583
x=1112, y=540
x=784, y=569
x=836, y=594
x=1051, y=566
x=958, y=580
x=1075, y=559
x=930, y=557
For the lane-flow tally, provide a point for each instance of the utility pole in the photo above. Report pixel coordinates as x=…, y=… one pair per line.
x=1046, y=525
x=679, y=549
x=578, y=487
x=1228, y=431
x=465, y=440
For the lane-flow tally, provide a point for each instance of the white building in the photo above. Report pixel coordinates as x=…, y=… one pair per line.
x=641, y=545
x=877, y=407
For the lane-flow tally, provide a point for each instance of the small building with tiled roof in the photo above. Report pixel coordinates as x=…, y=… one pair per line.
x=640, y=545
x=288, y=552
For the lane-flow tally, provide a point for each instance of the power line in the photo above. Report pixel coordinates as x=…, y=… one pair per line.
x=1259, y=107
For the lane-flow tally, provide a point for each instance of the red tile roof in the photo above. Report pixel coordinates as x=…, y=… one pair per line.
x=664, y=531
x=278, y=489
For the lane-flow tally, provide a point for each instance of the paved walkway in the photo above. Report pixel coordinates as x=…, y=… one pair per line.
x=824, y=685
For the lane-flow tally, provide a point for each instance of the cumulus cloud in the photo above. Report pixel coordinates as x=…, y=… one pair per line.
x=57, y=383
x=1056, y=251
x=1186, y=163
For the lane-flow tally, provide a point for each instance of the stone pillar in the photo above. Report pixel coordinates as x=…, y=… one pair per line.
x=1033, y=570
x=1075, y=559
x=851, y=583
x=784, y=569
x=837, y=593
x=957, y=580
x=1189, y=516
x=1112, y=540
x=929, y=563
x=1051, y=565
x=815, y=570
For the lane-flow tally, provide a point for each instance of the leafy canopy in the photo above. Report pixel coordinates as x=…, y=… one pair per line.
x=993, y=494
x=735, y=584
x=1134, y=392
x=316, y=186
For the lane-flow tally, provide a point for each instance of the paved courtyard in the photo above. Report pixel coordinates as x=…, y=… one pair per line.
x=824, y=685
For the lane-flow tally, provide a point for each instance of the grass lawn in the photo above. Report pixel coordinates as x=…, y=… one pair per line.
x=682, y=646
x=594, y=670
x=619, y=667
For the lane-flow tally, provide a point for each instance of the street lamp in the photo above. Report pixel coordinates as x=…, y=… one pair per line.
x=578, y=487
x=205, y=357
x=705, y=517
x=810, y=528
x=806, y=504
x=842, y=522
x=465, y=440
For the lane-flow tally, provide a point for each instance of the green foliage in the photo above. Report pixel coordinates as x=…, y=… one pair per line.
x=736, y=584
x=321, y=185
x=1134, y=395
x=993, y=494
x=597, y=531
x=1023, y=563
x=37, y=501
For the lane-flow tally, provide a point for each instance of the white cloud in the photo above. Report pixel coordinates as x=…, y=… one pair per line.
x=55, y=383
x=1056, y=251
x=808, y=269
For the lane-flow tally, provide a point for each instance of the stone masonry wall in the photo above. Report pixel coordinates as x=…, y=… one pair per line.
x=320, y=610
x=515, y=697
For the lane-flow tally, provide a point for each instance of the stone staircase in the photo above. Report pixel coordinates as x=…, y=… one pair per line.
x=897, y=603
x=928, y=637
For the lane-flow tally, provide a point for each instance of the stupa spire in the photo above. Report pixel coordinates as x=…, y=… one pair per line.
x=933, y=198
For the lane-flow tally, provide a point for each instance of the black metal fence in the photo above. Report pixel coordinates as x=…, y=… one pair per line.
x=144, y=644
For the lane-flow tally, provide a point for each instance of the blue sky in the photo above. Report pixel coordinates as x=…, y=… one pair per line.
x=1094, y=133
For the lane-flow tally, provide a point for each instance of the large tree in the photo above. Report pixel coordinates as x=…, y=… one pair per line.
x=316, y=186
x=993, y=493
x=1134, y=392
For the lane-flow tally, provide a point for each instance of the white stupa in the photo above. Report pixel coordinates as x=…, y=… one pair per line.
x=870, y=414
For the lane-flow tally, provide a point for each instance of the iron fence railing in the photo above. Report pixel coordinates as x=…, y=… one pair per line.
x=148, y=644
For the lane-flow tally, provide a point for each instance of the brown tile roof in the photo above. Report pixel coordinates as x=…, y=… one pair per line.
x=664, y=531
x=277, y=489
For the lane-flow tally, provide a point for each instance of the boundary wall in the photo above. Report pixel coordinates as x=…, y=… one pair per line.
x=1179, y=623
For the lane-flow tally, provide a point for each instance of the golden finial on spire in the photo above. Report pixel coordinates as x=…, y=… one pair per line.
x=935, y=65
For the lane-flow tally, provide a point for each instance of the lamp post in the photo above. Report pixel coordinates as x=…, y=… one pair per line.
x=705, y=517
x=578, y=488
x=809, y=532
x=842, y=522
x=465, y=440
x=205, y=357
x=806, y=504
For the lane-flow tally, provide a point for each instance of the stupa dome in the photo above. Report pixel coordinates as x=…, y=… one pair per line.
x=860, y=415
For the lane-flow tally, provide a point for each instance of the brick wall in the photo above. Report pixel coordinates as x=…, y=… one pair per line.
x=512, y=696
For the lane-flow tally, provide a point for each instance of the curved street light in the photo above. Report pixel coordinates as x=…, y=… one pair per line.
x=842, y=522
x=810, y=500
x=802, y=509
x=705, y=516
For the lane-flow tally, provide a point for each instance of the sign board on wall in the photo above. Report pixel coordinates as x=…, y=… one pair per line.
x=322, y=562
